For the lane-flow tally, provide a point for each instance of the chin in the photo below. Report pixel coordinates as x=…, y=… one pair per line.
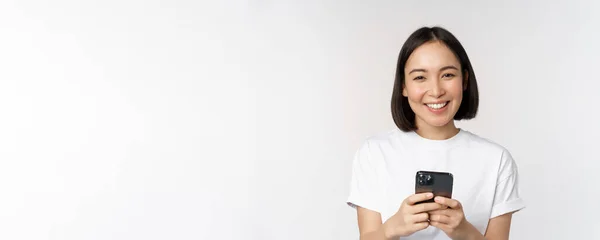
x=439, y=123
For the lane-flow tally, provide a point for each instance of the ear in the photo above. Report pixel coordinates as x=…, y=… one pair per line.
x=465, y=80
x=404, y=92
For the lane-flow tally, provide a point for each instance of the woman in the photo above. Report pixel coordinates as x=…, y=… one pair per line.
x=434, y=86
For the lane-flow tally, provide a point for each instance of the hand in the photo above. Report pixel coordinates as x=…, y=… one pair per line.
x=451, y=220
x=411, y=217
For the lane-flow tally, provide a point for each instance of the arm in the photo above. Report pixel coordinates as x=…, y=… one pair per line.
x=499, y=227
x=506, y=200
x=506, y=203
x=370, y=225
x=410, y=218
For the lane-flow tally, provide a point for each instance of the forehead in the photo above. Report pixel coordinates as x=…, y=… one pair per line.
x=432, y=55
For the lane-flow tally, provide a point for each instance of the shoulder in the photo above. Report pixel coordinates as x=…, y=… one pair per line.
x=476, y=141
x=498, y=152
x=374, y=146
x=381, y=140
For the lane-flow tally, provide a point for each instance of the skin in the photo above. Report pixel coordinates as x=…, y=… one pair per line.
x=433, y=75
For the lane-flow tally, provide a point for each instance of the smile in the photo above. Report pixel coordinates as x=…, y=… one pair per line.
x=437, y=105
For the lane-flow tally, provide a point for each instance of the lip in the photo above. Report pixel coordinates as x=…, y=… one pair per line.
x=438, y=102
x=437, y=111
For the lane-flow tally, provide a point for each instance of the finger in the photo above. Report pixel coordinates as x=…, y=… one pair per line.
x=424, y=207
x=418, y=198
x=444, y=227
x=419, y=226
x=443, y=211
x=452, y=203
x=440, y=218
x=421, y=217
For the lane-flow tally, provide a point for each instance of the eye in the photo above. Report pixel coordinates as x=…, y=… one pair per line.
x=419, y=78
x=448, y=75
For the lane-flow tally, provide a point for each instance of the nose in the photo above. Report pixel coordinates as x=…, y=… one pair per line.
x=436, y=89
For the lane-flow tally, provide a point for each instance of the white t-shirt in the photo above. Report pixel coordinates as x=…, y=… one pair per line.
x=485, y=175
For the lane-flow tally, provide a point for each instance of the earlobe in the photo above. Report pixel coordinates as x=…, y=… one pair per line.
x=404, y=93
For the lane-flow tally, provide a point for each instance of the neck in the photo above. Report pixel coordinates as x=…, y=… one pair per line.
x=437, y=133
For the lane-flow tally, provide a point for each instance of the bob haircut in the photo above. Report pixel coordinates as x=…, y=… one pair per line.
x=403, y=115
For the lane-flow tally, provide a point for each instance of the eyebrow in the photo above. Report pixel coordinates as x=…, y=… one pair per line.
x=441, y=69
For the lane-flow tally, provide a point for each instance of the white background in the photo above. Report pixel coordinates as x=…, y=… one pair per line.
x=186, y=120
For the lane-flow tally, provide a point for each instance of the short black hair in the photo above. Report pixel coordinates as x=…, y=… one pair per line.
x=402, y=114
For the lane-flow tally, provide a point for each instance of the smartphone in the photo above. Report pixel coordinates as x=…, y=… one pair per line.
x=438, y=183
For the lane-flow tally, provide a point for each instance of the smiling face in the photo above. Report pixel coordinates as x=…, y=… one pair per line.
x=433, y=85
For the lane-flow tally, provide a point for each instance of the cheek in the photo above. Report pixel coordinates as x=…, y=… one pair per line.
x=455, y=87
x=415, y=93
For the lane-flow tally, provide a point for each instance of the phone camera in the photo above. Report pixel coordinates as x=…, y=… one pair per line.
x=425, y=179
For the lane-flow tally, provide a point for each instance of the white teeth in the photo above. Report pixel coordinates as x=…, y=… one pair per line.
x=437, y=105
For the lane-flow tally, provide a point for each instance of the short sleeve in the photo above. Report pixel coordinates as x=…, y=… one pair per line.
x=506, y=197
x=364, y=184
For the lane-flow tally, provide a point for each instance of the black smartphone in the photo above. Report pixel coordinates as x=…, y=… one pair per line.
x=438, y=183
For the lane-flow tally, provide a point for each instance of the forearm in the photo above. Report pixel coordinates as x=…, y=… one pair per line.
x=376, y=235
x=473, y=234
x=382, y=233
x=476, y=236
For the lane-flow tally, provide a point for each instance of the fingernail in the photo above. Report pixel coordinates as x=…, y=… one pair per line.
x=430, y=195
